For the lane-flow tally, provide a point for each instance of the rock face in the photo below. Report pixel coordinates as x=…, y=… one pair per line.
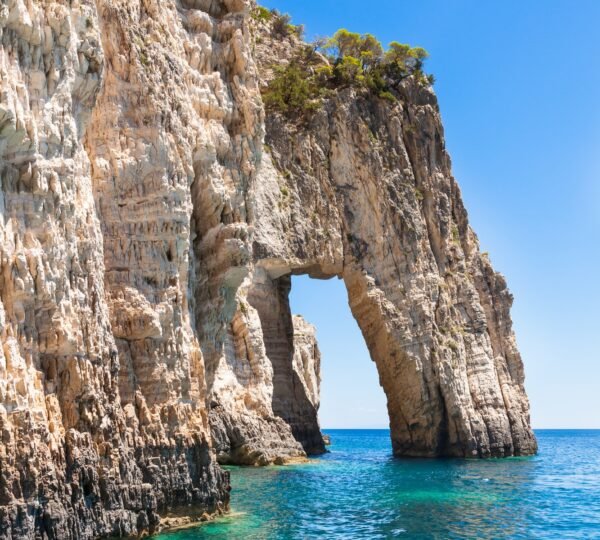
x=118, y=131
x=363, y=190
x=306, y=380
x=147, y=242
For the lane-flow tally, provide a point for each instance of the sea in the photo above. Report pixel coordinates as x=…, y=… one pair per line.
x=360, y=491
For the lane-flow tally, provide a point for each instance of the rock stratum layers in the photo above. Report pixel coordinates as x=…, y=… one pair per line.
x=148, y=236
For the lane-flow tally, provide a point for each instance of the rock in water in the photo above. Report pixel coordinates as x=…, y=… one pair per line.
x=362, y=189
x=147, y=239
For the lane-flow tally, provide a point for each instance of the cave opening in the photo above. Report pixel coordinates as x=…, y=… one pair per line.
x=350, y=395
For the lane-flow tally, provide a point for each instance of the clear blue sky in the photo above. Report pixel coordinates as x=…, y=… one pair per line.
x=518, y=85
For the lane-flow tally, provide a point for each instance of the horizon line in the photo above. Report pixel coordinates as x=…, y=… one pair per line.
x=535, y=429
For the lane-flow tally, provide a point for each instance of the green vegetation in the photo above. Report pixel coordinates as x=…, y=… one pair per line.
x=291, y=91
x=281, y=23
x=372, y=136
x=347, y=59
x=261, y=13
x=371, y=65
x=386, y=94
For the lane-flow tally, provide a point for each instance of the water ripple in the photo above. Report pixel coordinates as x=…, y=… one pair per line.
x=359, y=491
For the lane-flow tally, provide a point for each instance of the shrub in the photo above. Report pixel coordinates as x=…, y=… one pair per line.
x=367, y=48
x=324, y=73
x=343, y=43
x=370, y=49
x=282, y=24
x=261, y=13
x=348, y=70
x=419, y=53
x=387, y=95
x=395, y=59
x=291, y=90
x=354, y=60
x=402, y=60
x=357, y=58
x=399, y=61
x=397, y=52
x=297, y=29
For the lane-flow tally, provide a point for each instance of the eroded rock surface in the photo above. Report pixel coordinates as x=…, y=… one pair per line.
x=363, y=189
x=147, y=242
x=110, y=114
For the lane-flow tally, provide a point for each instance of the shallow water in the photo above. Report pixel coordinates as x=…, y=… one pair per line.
x=360, y=491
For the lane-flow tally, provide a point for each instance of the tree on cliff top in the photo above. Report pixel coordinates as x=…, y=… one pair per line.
x=354, y=59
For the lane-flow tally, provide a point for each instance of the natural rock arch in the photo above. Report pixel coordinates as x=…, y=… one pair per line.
x=421, y=421
x=145, y=232
x=388, y=218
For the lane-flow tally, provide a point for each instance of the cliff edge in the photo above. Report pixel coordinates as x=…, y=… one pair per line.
x=152, y=213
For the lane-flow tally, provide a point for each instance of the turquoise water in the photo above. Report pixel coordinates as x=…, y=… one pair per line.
x=359, y=491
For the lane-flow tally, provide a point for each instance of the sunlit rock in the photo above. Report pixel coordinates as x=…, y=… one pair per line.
x=151, y=217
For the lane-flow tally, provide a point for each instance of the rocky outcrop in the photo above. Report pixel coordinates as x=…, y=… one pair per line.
x=147, y=243
x=110, y=114
x=264, y=393
x=362, y=189
x=306, y=364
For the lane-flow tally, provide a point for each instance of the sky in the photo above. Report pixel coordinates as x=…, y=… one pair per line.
x=517, y=84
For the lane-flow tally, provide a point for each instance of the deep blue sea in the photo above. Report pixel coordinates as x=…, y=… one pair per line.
x=359, y=490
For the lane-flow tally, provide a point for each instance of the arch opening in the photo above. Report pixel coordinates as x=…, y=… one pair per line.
x=292, y=309
x=264, y=398
x=351, y=396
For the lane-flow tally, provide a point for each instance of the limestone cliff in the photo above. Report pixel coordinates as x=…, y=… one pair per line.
x=362, y=189
x=118, y=125
x=147, y=242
